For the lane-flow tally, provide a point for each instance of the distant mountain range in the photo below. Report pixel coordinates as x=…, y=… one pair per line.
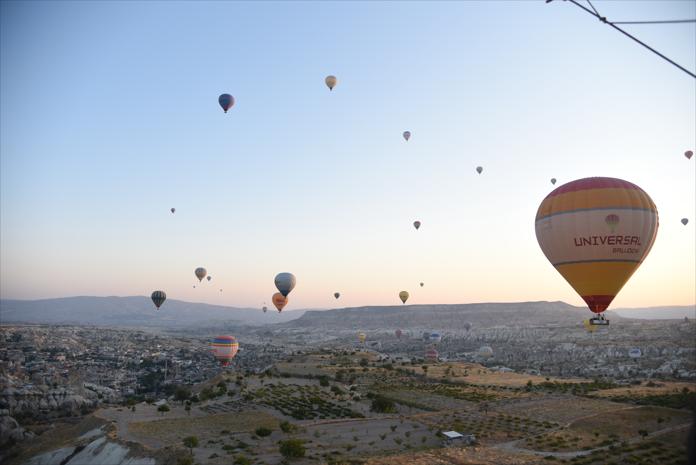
x=138, y=311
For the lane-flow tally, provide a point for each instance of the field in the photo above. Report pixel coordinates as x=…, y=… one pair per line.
x=327, y=403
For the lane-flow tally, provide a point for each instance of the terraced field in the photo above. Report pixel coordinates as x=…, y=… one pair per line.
x=303, y=402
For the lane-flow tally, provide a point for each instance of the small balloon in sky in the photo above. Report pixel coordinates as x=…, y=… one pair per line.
x=422, y=284
x=331, y=81
x=403, y=295
x=688, y=154
x=685, y=221
x=200, y=273
x=173, y=210
x=158, y=298
x=337, y=295
x=285, y=282
x=416, y=224
x=279, y=300
x=479, y=169
x=226, y=101
x=407, y=135
x=553, y=181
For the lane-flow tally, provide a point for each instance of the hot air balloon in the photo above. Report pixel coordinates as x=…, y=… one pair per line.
x=684, y=221
x=407, y=135
x=337, y=294
x=158, y=298
x=589, y=327
x=403, y=295
x=398, y=333
x=421, y=284
x=596, y=232
x=553, y=181
x=173, y=210
x=200, y=273
x=209, y=278
x=264, y=308
x=331, y=82
x=416, y=224
x=431, y=354
x=224, y=348
x=426, y=336
x=362, y=337
x=688, y=154
x=285, y=282
x=635, y=353
x=479, y=169
x=467, y=326
x=279, y=300
x=435, y=338
x=226, y=101
x=485, y=352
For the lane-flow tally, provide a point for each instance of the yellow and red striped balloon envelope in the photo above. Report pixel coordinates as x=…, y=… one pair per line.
x=596, y=232
x=224, y=348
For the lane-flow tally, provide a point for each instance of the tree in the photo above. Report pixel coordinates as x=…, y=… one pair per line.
x=381, y=404
x=263, y=431
x=364, y=362
x=163, y=408
x=643, y=433
x=324, y=380
x=190, y=442
x=287, y=427
x=292, y=448
x=188, y=407
x=182, y=393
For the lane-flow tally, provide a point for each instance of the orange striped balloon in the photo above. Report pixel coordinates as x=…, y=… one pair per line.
x=596, y=232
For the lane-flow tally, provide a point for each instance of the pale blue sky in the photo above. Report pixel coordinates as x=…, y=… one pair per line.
x=109, y=117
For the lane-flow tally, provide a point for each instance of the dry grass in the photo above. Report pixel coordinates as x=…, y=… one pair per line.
x=459, y=456
x=172, y=431
x=662, y=387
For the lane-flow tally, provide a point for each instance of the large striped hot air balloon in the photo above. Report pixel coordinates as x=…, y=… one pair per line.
x=485, y=352
x=158, y=298
x=596, y=232
x=224, y=348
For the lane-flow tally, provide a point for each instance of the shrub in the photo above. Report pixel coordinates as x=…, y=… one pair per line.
x=263, y=431
x=292, y=448
x=381, y=404
x=242, y=460
x=287, y=427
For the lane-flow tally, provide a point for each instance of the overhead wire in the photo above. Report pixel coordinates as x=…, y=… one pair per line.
x=603, y=19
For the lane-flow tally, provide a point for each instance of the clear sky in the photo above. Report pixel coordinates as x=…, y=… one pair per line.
x=109, y=117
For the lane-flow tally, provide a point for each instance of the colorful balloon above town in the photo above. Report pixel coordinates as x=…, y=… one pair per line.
x=226, y=101
x=279, y=300
x=596, y=232
x=224, y=348
x=362, y=337
x=331, y=81
x=285, y=282
x=403, y=295
x=158, y=298
x=200, y=273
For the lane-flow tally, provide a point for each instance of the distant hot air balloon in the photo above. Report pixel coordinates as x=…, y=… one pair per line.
x=467, y=326
x=416, y=224
x=337, y=294
x=220, y=290
x=158, y=298
x=285, y=282
x=224, y=348
x=553, y=181
x=635, y=352
x=398, y=333
x=226, y=101
x=684, y=221
x=264, y=308
x=200, y=273
x=403, y=295
x=209, y=278
x=688, y=154
x=173, y=210
x=485, y=352
x=279, y=300
x=362, y=337
x=431, y=354
x=426, y=336
x=589, y=327
x=331, y=82
x=596, y=232
x=479, y=169
x=421, y=284
x=407, y=135
x=435, y=338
